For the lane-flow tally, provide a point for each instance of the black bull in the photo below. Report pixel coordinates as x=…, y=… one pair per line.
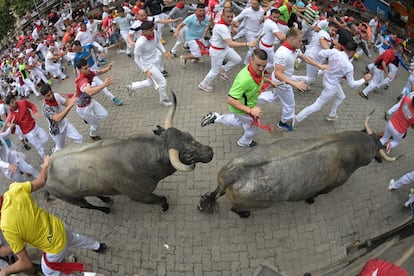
x=293, y=169
x=131, y=166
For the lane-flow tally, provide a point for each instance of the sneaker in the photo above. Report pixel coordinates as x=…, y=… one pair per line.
x=386, y=116
x=332, y=118
x=166, y=102
x=164, y=73
x=386, y=87
x=407, y=204
x=363, y=95
x=223, y=75
x=391, y=185
x=284, y=126
x=205, y=88
x=294, y=123
x=208, y=119
x=117, y=101
x=129, y=89
x=252, y=144
x=183, y=61
x=27, y=147
x=173, y=54
x=102, y=61
x=102, y=248
x=86, y=122
x=129, y=55
x=95, y=138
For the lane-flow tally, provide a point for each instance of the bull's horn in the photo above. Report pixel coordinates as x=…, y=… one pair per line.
x=367, y=128
x=177, y=164
x=386, y=157
x=170, y=115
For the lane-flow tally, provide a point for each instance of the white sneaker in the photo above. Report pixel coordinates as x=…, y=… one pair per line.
x=391, y=185
x=223, y=75
x=129, y=89
x=332, y=118
x=407, y=204
x=183, y=61
x=166, y=102
x=205, y=88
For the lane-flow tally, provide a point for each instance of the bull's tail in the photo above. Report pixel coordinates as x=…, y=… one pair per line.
x=208, y=201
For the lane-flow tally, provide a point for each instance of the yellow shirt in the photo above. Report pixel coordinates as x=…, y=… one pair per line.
x=23, y=221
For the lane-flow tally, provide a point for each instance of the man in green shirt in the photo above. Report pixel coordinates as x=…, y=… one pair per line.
x=242, y=99
x=23, y=68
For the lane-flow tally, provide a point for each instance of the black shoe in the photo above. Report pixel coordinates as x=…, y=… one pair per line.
x=209, y=118
x=102, y=248
x=164, y=73
x=27, y=147
x=129, y=55
x=85, y=122
x=174, y=55
x=252, y=144
x=363, y=95
x=95, y=138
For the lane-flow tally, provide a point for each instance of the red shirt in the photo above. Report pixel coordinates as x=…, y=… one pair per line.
x=23, y=117
x=403, y=118
x=388, y=56
x=81, y=82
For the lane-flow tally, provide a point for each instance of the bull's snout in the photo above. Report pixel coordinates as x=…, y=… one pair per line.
x=206, y=154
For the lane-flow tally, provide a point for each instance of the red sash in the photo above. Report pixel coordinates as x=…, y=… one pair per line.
x=67, y=268
x=203, y=48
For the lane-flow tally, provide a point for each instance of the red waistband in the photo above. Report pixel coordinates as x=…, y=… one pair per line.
x=282, y=22
x=266, y=45
x=216, y=48
x=84, y=105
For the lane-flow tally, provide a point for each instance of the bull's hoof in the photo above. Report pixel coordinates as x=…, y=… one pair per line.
x=164, y=207
x=310, y=200
x=106, y=210
x=242, y=214
x=106, y=199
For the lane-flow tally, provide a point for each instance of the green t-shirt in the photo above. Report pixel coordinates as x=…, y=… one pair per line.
x=23, y=71
x=244, y=89
x=284, y=13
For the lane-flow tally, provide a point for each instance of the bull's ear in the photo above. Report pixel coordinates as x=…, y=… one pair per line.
x=159, y=130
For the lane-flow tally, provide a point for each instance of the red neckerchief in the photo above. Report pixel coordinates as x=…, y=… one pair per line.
x=149, y=37
x=256, y=122
x=287, y=45
x=258, y=78
x=53, y=102
x=180, y=5
x=200, y=18
x=221, y=21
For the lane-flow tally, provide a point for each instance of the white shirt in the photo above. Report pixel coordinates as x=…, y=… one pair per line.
x=315, y=46
x=147, y=52
x=49, y=59
x=137, y=23
x=221, y=32
x=340, y=67
x=252, y=19
x=92, y=27
x=269, y=29
x=373, y=24
x=85, y=37
x=286, y=58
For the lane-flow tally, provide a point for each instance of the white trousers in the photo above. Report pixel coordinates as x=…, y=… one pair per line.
x=285, y=95
x=72, y=241
x=180, y=40
x=406, y=179
x=238, y=120
x=377, y=78
x=250, y=36
x=31, y=85
x=19, y=159
x=97, y=81
x=124, y=35
x=391, y=131
x=37, y=137
x=393, y=72
x=329, y=92
x=55, y=71
x=270, y=55
x=158, y=77
x=71, y=132
x=37, y=72
x=217, y=57
x=93, y=114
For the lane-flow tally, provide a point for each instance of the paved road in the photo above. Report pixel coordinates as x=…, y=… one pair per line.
x=291, y=237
